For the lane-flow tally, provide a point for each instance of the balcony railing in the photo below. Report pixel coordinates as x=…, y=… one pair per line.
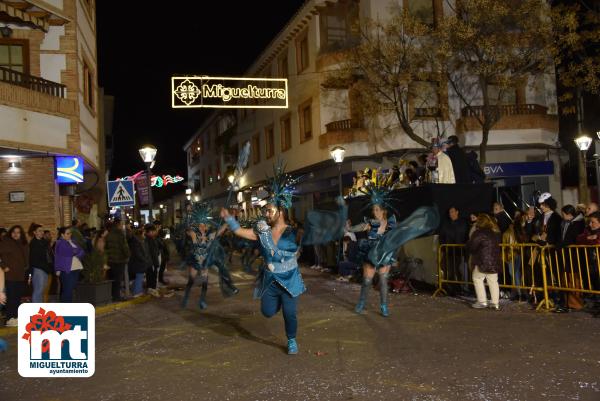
x=506, y=110
x=428, y=112
x=30, y=82
x=343, y=125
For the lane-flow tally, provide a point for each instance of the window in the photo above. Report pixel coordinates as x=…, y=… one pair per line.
x=218, y=170
x=13, y=55
x=302, y=52
x=425, y=99
x=256, y=149
x=337, y=25
x=210, y=176
x=286, y=133
x=88, y=86
x=282, y=66
x=269, y=142
x=423, y=10
x=305, y=120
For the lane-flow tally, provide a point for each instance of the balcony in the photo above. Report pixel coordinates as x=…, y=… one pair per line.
x=343, y=131
x=512, y=117
x=33, y=83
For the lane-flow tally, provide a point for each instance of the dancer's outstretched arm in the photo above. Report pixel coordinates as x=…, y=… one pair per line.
x=234, y=226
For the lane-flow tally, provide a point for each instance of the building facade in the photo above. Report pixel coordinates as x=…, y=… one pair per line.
x=49, y=108
x=315, y=41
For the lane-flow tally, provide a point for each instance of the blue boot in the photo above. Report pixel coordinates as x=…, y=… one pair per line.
x=360, y=306
x=292, y=346
x=364, y=292
x=202, y=304
x=3, y=345
x=384, y=310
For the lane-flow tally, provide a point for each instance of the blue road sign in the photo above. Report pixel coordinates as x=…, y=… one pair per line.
x=120, y=193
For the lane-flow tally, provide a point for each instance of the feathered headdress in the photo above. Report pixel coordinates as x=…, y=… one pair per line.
x=379, y=195
x=281, y=187
x=201, y=213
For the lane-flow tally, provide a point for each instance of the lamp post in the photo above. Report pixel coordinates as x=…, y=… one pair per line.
x=337, y=154
x=583, y=142
x=148, y=153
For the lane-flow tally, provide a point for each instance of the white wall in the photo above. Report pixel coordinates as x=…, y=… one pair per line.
x=30, y=127
x=51, y=65
x=52, y=38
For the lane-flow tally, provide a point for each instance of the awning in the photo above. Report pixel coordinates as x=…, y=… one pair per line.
x=31, y=13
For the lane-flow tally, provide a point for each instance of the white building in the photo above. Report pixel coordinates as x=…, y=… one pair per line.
x=317, y=119
x=48, y=107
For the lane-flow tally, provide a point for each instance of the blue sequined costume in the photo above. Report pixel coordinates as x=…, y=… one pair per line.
x=280, y=261
x=365, y=245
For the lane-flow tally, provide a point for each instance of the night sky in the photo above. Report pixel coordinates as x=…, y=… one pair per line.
x=140, y=46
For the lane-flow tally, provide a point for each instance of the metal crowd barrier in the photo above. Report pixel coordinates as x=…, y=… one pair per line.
x=523, y=270
x=574, y=270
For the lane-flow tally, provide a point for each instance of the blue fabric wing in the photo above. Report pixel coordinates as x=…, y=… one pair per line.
x=323, y=226
x=423, y=220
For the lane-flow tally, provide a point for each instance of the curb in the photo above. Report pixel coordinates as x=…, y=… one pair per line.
x=101, y=310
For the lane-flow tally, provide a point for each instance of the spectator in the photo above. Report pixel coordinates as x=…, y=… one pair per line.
x=455, y=231
x=14, y=259
x=164, y=251
x=591, y=208
x=591, y=236
x=513, y=236
x=460, y=164
x=67, y=263
x=154, y=252
x=502, y=217
x=445, y=170
x=3, y=345
x=530, y=224
x=477, y=174
x=3, y=233
x=484, y=248
x=139, y=262
x=348, y=265
x=550, y=221
x=572, y=225
x=39, y=262
x=421, y=169
x=472, y=225
x=117, y=252
x=77, y=235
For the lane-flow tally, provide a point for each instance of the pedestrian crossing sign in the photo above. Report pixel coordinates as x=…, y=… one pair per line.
x=120, y=193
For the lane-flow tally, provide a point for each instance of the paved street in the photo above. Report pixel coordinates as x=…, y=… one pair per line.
x=429, y=349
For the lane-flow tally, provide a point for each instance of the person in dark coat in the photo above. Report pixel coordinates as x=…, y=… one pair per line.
x=39, y=261
x=155, y=257
x=502, y=218
x=460, y=164
x=486, y=260
x=14, y=260
x=549, y=221
x=139, y=261
x=572, y=225
x=455, y=230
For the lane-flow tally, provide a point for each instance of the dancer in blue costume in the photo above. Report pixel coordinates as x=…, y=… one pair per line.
x=384, y=238
x=199, y=258
x=279, y=283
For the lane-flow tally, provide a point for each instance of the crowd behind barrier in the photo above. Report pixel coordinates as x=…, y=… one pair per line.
x=538, y=273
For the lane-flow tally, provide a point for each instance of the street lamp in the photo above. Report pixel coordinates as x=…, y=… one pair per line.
x=148, y=153
x=583, y=143
x=337, y=154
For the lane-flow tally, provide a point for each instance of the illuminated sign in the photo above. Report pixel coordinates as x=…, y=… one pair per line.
x=69, y=169
x=221, y=92
x=157, y=181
